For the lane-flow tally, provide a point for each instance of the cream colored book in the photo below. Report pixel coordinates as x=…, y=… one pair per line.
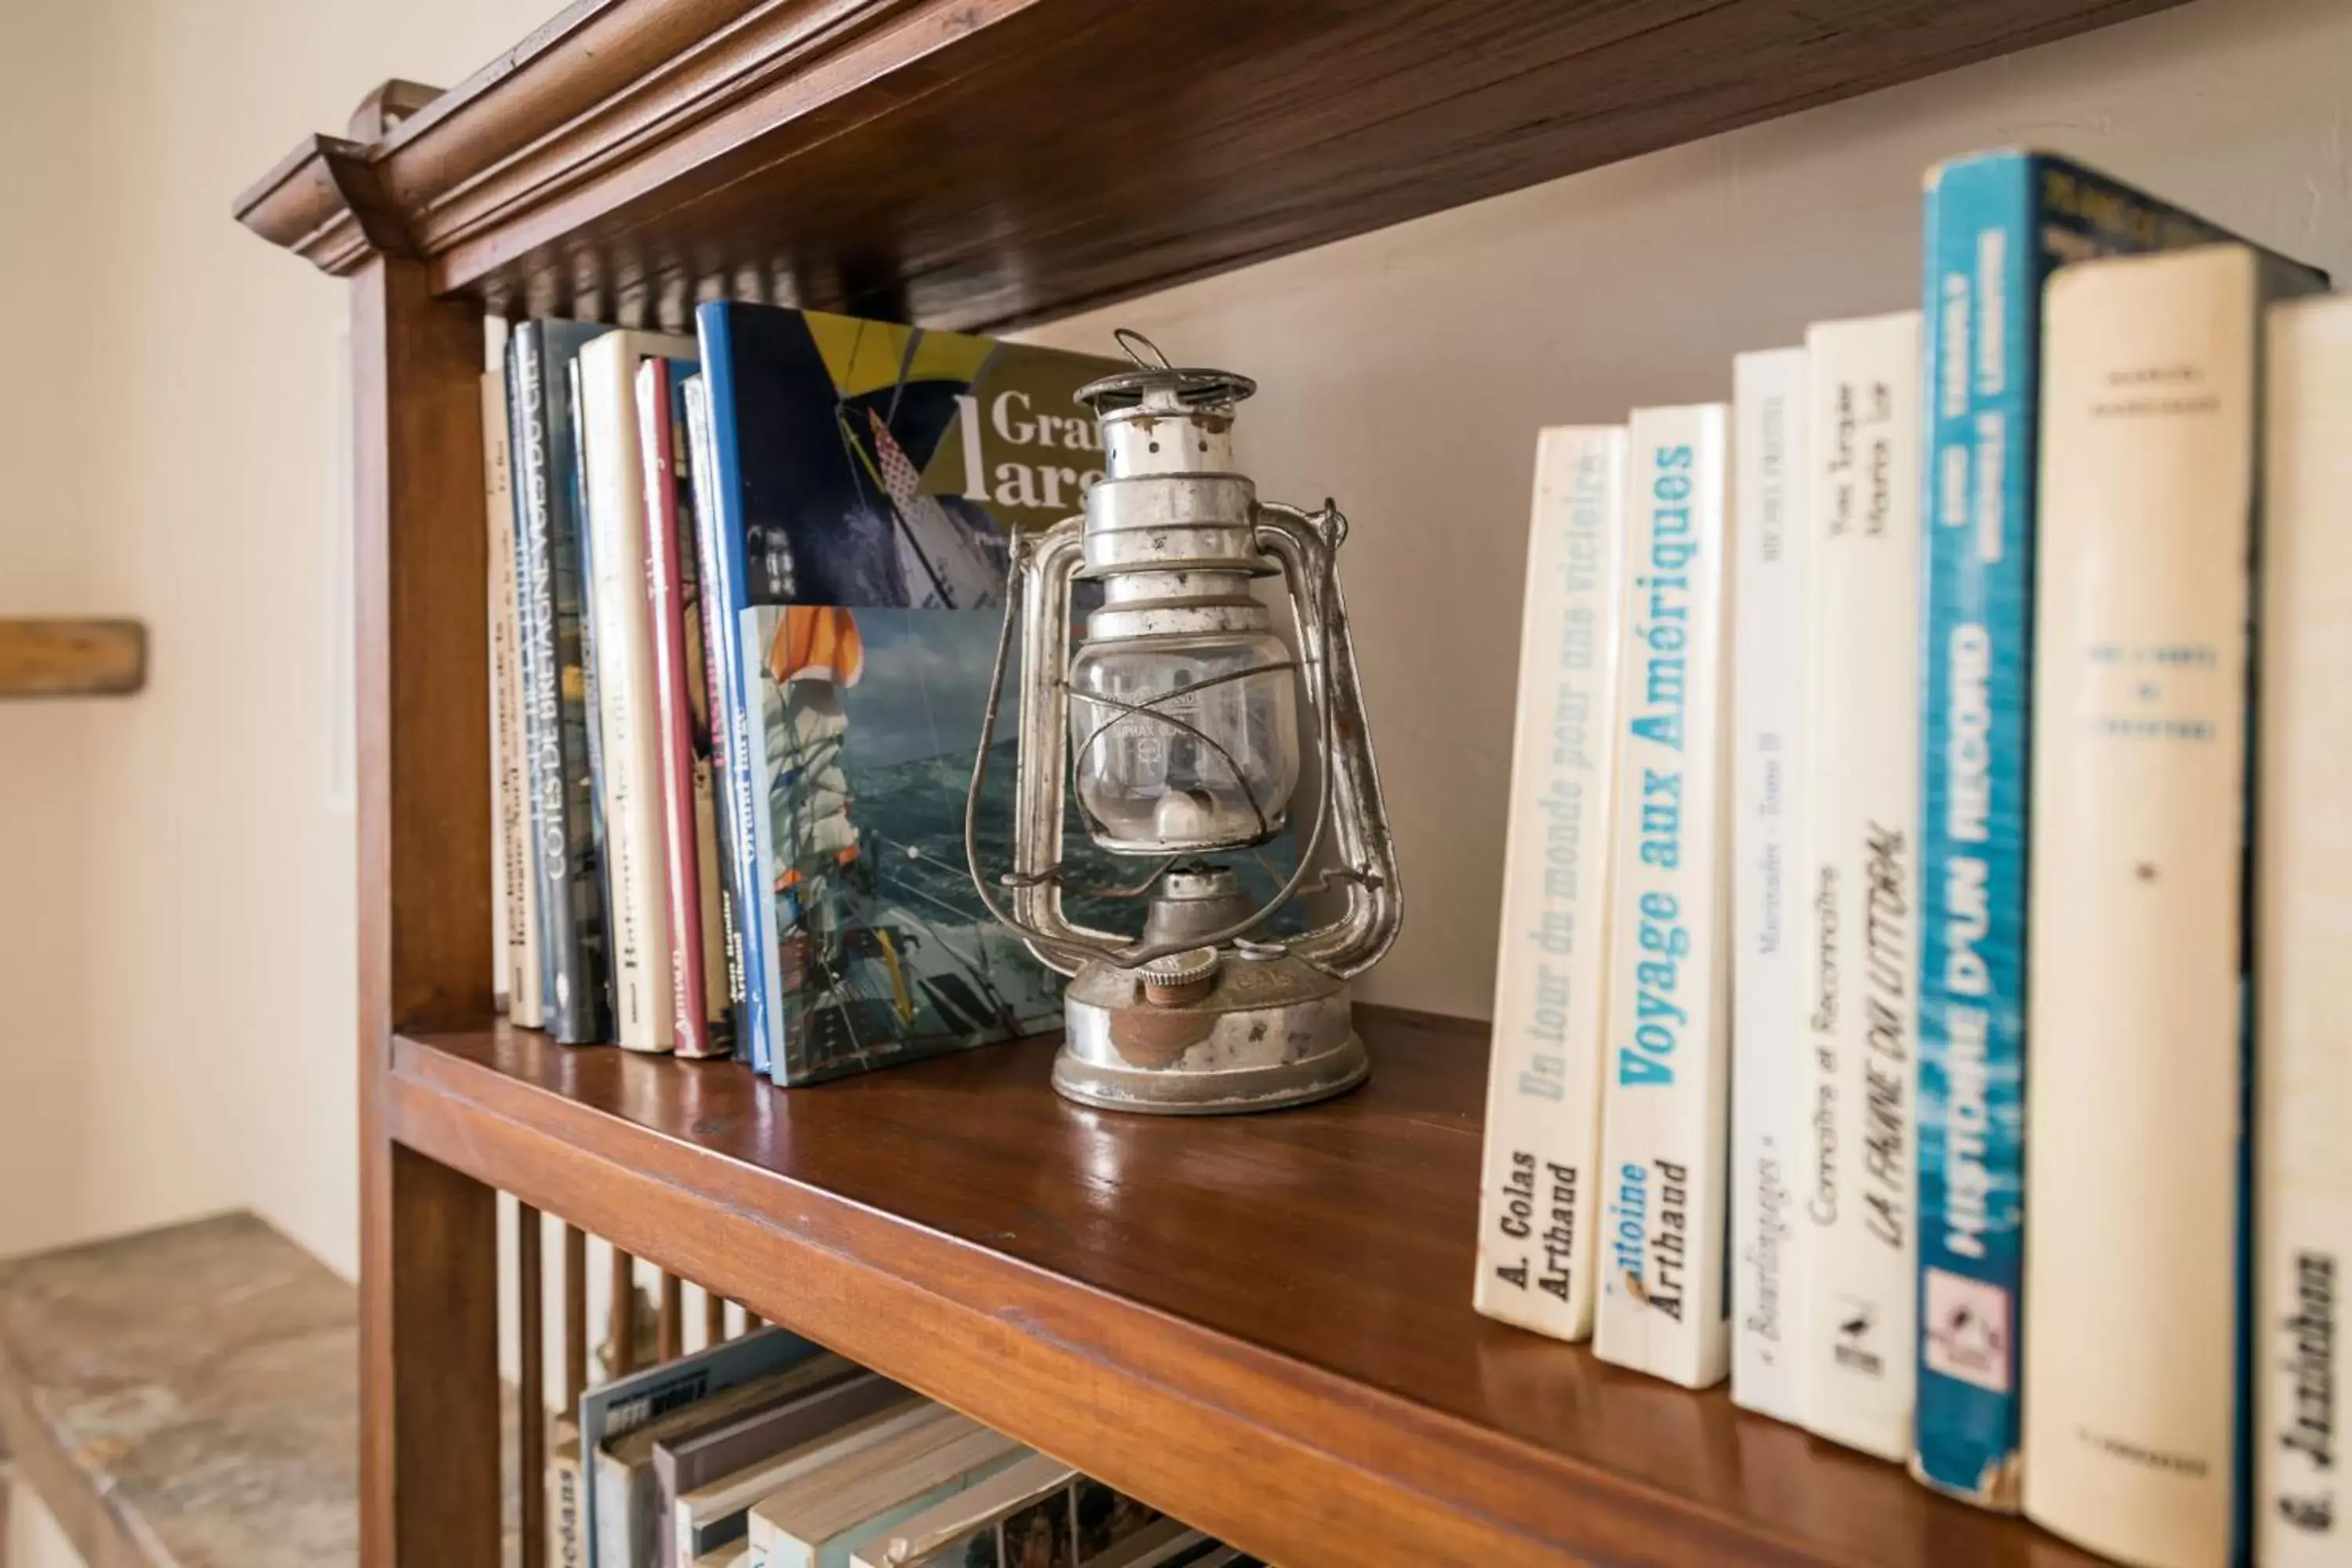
x=823, y=1518
x=1536, y=1215
x=706, y=1516
x=635, y=842
x=1667, y=1075
x=2135, y=999
x=2303, y=924
x=1039, y=1511
x=514, y=889
x=1031, y=1497
x=1857, y=914
x=1771, y=1060
x=1170, y=1543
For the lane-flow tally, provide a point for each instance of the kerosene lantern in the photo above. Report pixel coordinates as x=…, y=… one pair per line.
x=1176, y=723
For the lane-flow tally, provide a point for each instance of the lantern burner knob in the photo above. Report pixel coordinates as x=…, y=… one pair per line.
x=1181, y=977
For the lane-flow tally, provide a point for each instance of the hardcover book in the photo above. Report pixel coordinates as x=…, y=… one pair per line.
x=867, y=481
x=1668, y=1073
x=1997, y=224
x=2139, y=1163
x=611, y=1411
x=515, y=903
x=1039, y=1511
x=568, y=844
x=1771, y=1068
x=1535, y=1205
x=706, y=977
x=731, y=771
x=692, y=1521
x=628, y=1486
x=843, y=1420
x=1859, y=914
x=2303, y=913
x=630, y=790
x=822, y=1518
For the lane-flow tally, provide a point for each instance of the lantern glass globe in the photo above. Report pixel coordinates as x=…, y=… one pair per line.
x=1184, y=743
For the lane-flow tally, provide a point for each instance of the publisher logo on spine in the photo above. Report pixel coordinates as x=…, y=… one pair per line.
x=1967, y=1333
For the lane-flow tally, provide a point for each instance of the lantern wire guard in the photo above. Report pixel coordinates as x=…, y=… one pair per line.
x=1207, y=1009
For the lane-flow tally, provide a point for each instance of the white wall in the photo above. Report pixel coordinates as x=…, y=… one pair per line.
x=176, y=967
x=1406, y=372
x=175, y=885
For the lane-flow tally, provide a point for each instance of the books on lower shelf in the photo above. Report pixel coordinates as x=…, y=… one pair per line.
x=765, y=1450
x=1994, y=766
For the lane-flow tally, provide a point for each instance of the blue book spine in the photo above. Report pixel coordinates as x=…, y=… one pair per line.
x=1997, y=225
x=727, y=600
x=1982, y=297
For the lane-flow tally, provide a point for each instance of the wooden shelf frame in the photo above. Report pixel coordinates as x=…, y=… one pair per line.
x=982, y=164
x=977, y=163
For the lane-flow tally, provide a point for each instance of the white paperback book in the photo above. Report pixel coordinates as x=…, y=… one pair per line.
x=1771, y=1060
x=821, y=1519
x=2135, y=1096
x=1666, y=1071
x=1859, y=1001
x=2302, y=921
x=1535, y=1205
x=515, y=889
x=635, y=853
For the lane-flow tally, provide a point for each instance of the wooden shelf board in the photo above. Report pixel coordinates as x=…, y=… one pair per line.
x=983, y=163
x=72, y=658
x=1262, y=1324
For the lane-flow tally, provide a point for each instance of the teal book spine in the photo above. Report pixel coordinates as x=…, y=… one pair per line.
x=1997, y=225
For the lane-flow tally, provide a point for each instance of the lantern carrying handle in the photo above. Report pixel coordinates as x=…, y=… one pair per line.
x=1140, y=349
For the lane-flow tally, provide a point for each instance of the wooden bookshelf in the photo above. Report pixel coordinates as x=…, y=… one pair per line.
x=1264, y=1326
x=1261, y=1325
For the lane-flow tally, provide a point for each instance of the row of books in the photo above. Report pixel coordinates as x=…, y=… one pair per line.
x=1915, y=998
x=744, y=599
x=764, y=1451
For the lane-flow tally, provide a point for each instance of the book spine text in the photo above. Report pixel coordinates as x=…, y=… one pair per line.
x=1543, y=1096
x=1860, y=913
x=1771, y=1079
x=1665, y=1078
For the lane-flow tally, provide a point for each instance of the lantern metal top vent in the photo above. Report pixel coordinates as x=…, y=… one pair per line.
x=1177, y=723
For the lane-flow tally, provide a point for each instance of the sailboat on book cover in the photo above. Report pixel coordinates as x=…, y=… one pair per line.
x=885, y=944
x=870, y=479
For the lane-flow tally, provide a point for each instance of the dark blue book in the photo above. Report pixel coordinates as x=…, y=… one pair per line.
x=867, y=481
x=575, y=963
